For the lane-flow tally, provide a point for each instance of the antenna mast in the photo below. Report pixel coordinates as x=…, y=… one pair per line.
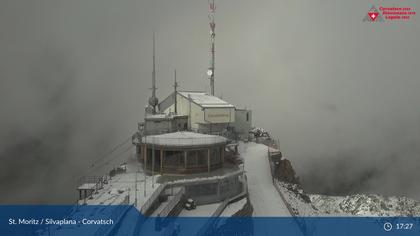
x=210, y=71
x=153, y=100
x=175, y=92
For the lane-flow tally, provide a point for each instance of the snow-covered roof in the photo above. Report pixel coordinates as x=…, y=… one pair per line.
x=162, y=116
x=183, y=139
x=156, y=116
x=205, y=100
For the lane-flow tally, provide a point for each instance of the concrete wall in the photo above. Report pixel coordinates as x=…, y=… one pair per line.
x=180, y=123
x=243, y=122
x=213, y=128
x=214, y=192
x=160, y=126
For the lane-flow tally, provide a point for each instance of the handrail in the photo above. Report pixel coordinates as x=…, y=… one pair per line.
x=168, y=208
x=300, y=224
x=152, y=198
x=205, y=179
x=118, y=215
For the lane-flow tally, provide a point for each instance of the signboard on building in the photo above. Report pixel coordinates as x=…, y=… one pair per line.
x=218, y=115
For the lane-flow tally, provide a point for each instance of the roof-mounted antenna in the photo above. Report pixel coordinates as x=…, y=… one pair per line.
x=210, y=71
x=176, y=85
x=153, y=100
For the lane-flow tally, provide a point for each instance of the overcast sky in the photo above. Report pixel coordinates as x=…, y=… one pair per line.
x=341, y=95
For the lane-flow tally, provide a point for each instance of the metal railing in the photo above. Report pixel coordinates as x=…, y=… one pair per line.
x=92, y=180
x=173, y=202
x=118, y=215
x=149, y=202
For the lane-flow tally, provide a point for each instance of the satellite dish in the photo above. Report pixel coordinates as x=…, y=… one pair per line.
x=153, y=101
x=149, y=109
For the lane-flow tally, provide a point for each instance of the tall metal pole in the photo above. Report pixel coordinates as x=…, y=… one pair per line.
x=153, y=100
x=145, y=155
x=154, y=73
x=145, y=178
x=210, y=71
x=175, y=91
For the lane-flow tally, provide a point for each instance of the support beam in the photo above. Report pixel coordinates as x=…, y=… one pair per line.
x=145, y=160
x=208, y=159
x=185, y=159
x=161, y=160
x=222, y=154
x=196, y=158
x=218, y=188
x=85, y=196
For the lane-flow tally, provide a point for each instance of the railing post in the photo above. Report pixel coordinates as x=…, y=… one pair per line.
x=145, y=159
x=161, y=160
x=222, y=154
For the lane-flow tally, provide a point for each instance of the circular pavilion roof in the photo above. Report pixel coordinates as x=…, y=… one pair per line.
x=184, y=139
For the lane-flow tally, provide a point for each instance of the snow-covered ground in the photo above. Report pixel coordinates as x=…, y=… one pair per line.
x=264, y=197
x=202, y=210
x=122, y=189
x=199, y=218
x=365, y=205
x=293, y=195
x=126, y=186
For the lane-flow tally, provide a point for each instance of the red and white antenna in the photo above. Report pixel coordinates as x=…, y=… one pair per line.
x=210, y=71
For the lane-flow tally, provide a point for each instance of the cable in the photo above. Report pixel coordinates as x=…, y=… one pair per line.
x=93, y=167
x=115, y=157
x=111, y=151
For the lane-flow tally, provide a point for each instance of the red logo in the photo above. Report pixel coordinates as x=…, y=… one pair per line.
x=373, y=15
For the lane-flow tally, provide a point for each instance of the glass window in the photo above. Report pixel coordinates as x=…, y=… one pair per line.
x=214, y=155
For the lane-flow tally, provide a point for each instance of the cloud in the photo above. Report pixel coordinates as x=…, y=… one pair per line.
x=340, y=95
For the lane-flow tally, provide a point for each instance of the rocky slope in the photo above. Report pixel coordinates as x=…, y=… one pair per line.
x=365, y=205
x=353, y=205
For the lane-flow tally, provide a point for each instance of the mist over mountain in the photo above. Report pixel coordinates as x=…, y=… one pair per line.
x=341, y=95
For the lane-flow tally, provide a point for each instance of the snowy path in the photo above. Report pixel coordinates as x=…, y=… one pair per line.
x=264, y=197
x=201, y=211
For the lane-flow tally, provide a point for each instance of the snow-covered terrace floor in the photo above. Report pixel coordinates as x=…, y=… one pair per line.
x=264, y=197
x=123, y=184
x=201, y=211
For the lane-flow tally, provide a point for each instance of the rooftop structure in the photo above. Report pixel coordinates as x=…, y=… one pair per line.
x=243, y=123
x=206, y=113
x=184, y=139
x=163, y=123
x=204, y=100
x=183, y=152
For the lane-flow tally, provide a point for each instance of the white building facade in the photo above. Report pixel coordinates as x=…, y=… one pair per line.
x=207, y=114
x=243, y=123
